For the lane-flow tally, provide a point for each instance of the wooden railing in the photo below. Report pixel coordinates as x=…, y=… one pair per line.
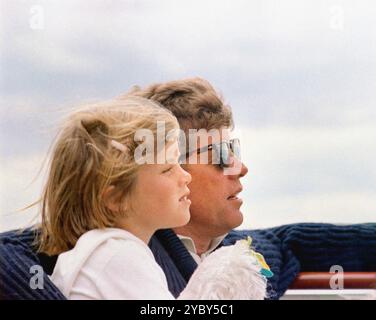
x=321, y=280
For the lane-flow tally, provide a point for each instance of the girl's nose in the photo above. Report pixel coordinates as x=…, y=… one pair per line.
x=187, y=178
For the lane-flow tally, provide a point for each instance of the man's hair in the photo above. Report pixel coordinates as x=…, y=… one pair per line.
x=193, y=101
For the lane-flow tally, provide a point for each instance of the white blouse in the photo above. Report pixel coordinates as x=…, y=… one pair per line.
x=110, y=263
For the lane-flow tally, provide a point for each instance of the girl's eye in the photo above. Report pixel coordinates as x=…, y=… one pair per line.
x=167, y=170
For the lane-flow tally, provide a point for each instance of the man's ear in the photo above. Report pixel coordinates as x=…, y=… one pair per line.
x=110, y=199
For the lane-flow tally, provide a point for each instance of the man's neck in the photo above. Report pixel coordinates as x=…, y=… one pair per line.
x=202, y=243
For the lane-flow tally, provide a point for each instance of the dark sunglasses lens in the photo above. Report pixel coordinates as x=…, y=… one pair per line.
x=235, y=148
x=225, y=154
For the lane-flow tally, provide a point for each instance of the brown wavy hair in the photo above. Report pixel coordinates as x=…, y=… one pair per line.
x=193, y=101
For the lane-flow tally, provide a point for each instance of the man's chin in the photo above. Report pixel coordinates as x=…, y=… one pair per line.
x=235, y=219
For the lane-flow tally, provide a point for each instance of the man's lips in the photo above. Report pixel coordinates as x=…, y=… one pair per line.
x=234, y=196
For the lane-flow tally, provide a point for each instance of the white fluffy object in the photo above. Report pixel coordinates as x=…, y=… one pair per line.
x=229, y=273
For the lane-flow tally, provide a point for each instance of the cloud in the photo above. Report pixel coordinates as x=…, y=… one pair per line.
x=20, y=186
x=309, y=174
x=281, y=59
x=334, y=207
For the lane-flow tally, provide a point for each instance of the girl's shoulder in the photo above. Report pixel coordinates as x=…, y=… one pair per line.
x=113, y=240
x=97, y=247
x=121, y=253
x=105, y=260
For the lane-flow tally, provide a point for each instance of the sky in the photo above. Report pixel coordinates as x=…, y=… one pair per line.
x=299, y=75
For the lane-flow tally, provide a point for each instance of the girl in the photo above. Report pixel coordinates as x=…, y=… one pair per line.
x=101, y=205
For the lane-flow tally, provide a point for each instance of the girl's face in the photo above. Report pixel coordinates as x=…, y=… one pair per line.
x=159, y=198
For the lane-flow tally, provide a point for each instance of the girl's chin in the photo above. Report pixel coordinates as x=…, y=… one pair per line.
x=185, y=216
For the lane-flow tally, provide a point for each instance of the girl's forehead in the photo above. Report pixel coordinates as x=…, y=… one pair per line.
x=172, y=152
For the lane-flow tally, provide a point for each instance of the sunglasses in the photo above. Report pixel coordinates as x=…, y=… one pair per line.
x=222, y=152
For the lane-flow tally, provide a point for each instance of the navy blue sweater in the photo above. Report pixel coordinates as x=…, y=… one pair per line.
x=287, y=249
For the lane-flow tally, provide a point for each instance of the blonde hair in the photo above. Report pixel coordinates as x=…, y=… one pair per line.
x=87, y=158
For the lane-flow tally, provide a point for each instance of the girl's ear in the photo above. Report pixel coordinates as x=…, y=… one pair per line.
x=110, y=200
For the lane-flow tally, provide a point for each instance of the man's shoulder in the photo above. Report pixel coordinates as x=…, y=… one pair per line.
x=258, y=236
x=304, y=234
x=18, y=255
x=21, y=241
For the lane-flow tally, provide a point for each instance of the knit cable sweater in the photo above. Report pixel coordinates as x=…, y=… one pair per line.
x=287, y=249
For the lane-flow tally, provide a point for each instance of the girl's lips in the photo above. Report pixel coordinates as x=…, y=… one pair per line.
x=185, y=196
x=185, y=200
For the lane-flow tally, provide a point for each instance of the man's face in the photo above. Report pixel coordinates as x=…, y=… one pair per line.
x=215, y=208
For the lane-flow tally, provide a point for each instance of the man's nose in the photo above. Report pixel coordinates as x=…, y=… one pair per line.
x=237, y=170
x=243, y=171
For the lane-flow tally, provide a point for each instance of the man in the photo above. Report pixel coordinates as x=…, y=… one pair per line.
x=215, y=211
x=216, y=206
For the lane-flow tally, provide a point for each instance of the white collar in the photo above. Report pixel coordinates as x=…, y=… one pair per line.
x=190, y=245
